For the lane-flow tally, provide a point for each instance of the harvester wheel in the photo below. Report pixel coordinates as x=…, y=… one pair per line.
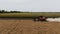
x=36, y=19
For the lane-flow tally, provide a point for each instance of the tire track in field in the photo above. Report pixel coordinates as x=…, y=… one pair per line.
x=4, y=27
x=13, y=28
x=8, y=29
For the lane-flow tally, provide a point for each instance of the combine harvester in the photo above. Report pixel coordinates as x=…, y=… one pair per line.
x=40, y=18
x=43, y=18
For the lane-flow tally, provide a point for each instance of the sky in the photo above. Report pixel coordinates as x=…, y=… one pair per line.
x=31, y=5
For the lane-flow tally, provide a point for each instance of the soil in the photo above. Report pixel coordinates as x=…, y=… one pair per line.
x=28, y=26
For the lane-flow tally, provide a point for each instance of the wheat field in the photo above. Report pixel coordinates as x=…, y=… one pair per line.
x=28, y=26
x=31, y=15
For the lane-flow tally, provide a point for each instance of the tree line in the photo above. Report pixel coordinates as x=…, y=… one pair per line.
x=3, y=11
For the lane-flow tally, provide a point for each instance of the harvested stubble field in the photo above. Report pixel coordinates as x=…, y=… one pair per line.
x=28, y=26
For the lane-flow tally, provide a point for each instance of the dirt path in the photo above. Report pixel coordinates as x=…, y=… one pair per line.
x=15, y=26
